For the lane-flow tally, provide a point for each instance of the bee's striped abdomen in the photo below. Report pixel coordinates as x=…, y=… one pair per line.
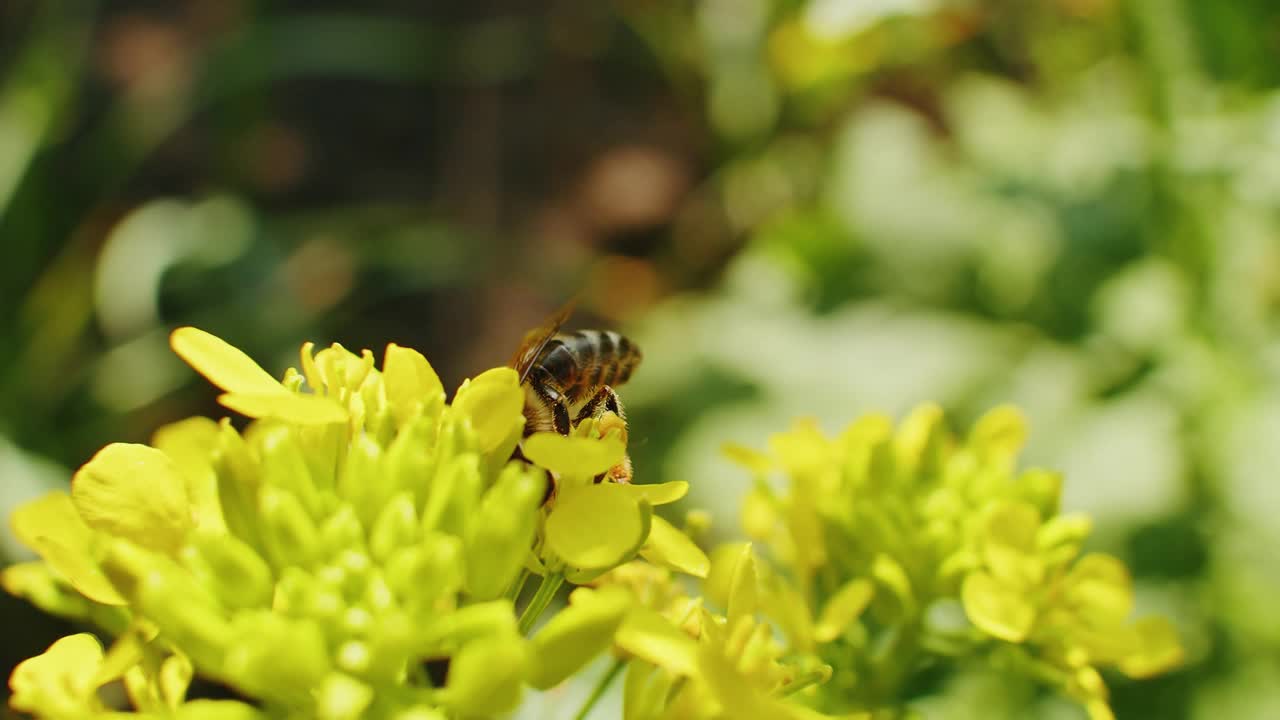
x=584, y=360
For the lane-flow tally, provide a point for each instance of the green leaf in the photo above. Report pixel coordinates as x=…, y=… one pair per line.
x=572, y=456
x=995, y=609
x=51, y=526
x=134, y=492
x=595, y=526
x=577, y=634
x=671, y=548
x=842, y=608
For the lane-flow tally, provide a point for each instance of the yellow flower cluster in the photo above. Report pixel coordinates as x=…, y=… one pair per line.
x=317, y=558
x=360, y=527
x=879, y=532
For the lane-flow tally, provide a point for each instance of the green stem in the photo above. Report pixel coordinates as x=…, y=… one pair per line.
x=513, y=592
x=541, y=599
x=598, y=691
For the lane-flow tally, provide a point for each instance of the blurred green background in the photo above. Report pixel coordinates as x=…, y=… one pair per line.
x=817, y=208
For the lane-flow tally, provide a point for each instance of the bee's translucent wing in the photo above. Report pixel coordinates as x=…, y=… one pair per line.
x=535, y=340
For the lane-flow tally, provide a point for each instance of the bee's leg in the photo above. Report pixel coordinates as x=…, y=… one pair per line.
x=592, y=407
x=559, y=411
x=612, y=404
x=559, y=420
x=605, y=400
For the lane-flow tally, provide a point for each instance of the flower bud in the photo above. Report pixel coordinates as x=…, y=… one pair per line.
x=290, y=536
x=502, y=531
x=485, y=676
x=395, y=527
x=232, y=569
x=275, y=657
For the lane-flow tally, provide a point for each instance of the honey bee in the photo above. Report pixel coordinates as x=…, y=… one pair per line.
x=569, y=377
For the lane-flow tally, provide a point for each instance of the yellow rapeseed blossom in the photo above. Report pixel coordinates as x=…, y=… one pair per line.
x=880, y=532
x=317, y=558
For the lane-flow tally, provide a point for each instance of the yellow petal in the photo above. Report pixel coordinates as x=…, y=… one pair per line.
x=51, y=526
x=175, y=678
x=723, y=562
x=191, y=444
x=409, y=379
x=671, y=548
x=484, y=677
x=37, y=583
x=759, y=515
x=648, y=635
x=595, y=526
x=574, y=456
x=1009, y=548
x=749, y=458
x=995, y=609
x=493, y=401
x=288, y=406
x=59, y=682
x=1000, y=433
x=659, y=494
x=842, y=608
x=1100, y=590
x=890, y=573
x=743, y=590
x=577, y=634
x=340, y=369
x=919, y=436
x=802, y=450
x=1160, y=649
x=222, y=364
x=134, y=492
